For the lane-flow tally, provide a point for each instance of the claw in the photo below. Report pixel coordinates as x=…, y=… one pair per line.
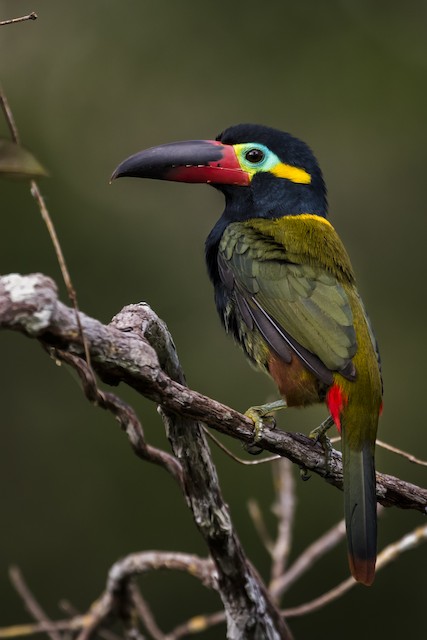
x=262, y=416
x=319, y=432
x=319, y=435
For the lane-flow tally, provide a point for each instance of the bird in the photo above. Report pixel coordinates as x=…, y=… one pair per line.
x=285, y=290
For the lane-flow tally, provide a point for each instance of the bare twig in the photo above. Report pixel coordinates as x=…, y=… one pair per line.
x=230, y=454
x=323, y=600
x=31, y=16
x=258, y=521
x=399, y=452
x=404, y=454
x=10, y=120
x=29, y=304
x=126, y=569
x=196, y=624
x=145, y=614
x=99, y=613
x=23, y=630
x=30, y=602
x=119, y=598
x=309, y=556
x=284, y=509
x=391, y=552
x=120, y=352
x=124, y=414
x=76, y=617
x=135, y=564
x=36, y=193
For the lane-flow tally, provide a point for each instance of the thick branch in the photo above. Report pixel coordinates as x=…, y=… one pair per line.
x=29, y=304
x=248, y=606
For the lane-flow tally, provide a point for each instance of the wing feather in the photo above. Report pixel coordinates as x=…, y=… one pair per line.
x=296, y=307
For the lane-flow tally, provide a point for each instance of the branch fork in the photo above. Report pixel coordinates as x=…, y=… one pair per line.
x=136, y=348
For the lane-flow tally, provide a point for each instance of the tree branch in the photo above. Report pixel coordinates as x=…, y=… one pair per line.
x=29, y=304
x=387, y=555
x=121, y=352
x=30, y=16
x=249, y=609
x=30, y=602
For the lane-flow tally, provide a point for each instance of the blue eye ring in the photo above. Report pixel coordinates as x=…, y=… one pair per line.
x=254, y=155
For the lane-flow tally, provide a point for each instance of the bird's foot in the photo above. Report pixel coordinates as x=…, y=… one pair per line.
x=319, y=432
x=262, y=416
x=319, y=435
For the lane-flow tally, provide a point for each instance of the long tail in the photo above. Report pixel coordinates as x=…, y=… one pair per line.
x=360, y=507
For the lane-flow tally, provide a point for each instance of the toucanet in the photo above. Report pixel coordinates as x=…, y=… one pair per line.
x=285, y=289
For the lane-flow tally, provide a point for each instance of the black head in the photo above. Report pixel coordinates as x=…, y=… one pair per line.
x=285, y=178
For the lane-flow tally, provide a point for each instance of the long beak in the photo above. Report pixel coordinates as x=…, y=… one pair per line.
x=206, y=161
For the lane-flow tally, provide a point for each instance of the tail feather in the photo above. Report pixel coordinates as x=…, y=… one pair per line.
x=360, y=507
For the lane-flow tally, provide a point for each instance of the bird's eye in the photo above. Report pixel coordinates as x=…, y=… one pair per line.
x=254, y=156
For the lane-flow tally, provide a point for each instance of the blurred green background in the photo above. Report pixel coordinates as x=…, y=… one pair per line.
x=93, y=82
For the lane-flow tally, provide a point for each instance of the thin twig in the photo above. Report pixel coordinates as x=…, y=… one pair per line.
x=30, y=602
x=314, y=551
x=31, y=16
x=75, y=615
x=404, y=454
x=145, y=614
x=31, y=629
x=118, y=595
x=10, y=120
x=309, y=556
x=389, y=447
x=323, y=600
x=99, y=612
x=284, y=510
x=258, y=521
x=196, y=624
x=125, y=415
x=36, y=193
x=136, y=564
x=230, y=454
x=387, y=555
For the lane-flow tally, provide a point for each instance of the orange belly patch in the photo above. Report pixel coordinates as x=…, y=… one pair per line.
x=298, y=386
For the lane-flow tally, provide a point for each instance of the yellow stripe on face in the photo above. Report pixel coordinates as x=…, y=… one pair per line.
x=295, y=174
x=270, y=163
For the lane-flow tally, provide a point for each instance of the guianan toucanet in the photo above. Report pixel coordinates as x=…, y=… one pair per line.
x=285, y=289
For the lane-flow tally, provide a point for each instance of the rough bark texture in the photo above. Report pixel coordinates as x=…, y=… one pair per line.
x=136, y=348
x=249, y=609
x=29, y=304
x=122, y=352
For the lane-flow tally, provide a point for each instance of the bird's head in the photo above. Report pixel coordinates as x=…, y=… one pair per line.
x=263, y=172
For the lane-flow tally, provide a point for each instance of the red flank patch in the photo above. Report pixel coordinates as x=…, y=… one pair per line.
x=336, y=399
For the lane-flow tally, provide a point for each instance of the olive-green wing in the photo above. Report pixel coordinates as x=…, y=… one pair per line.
x=296, y=307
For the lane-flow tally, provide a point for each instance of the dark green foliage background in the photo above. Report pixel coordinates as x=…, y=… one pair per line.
x=92, y=82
